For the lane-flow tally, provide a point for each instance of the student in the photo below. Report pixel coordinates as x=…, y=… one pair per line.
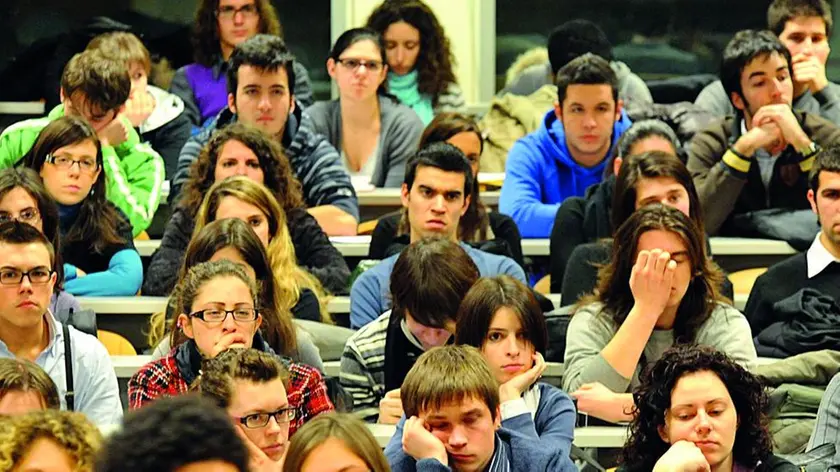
x=157, y=114
x=25, y=387
x=57, y=441
x=699, y=409
x=251, y=386
x=420, y=60
x=261, y=93
x=375, y=133
x=803, y=27
x=334, y=442
x=429, y=280
x=29, y=331
x=435, y=192
x=672, y=297
x=183, y=434
x=242, y=150
x=221, y=25
x=569, y=151
x=96, y=89
x=216, y=306
x=452, y=404
x=23, y=198
x=478, y=224
x=97, y=247
x=759, y=158
x=582, y=220
x=819, y=267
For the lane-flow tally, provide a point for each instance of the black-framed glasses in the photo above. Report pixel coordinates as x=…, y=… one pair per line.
x=27, y=215
x=259, y=420
x=355, y=64
x=87, y=166
x=216, y=315
x=228, y=12
x=37, y=276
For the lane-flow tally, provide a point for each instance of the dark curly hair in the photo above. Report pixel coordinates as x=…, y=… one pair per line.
x=435, y=60
x=279, y=178
x=205, y=36
x=653, y=399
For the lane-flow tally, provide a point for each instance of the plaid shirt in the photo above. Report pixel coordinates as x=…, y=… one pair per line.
x=162, y=378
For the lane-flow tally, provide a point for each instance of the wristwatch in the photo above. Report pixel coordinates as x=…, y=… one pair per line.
x=810, y=151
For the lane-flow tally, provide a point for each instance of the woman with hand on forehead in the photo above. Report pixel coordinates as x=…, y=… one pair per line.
x=660, y=289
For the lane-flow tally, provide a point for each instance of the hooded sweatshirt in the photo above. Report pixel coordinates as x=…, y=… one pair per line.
x=167, y=129
x=541, y=173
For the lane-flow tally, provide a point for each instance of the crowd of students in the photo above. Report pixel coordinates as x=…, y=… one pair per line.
x=450, y=342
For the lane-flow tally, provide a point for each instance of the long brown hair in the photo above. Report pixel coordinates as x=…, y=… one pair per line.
x=205, y=37
x=344, y=427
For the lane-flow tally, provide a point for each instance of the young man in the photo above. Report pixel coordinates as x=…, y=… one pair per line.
x=451, y=400
x=804, y=27
x=568, y=152
x=96, y=89
x=438, y=183
x=819, y=267
x=759, y=158
x=429, y=281
x=29, y=331
x=261, y=93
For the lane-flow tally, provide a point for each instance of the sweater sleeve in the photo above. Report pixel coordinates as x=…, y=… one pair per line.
x=357, y=380
x=505, y=229
x=366, y=302
x=521, y=193
x=566, y=235
x=316, y=253
x=383, y=235
x=588, y=333
x=403, y=136
x=180, y=86
x=162, y=272
x=122, y=279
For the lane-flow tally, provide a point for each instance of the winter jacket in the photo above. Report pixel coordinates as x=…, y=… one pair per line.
x=167, y=129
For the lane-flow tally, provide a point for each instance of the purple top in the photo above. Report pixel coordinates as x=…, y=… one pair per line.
x=209, y=88
x=740, y=468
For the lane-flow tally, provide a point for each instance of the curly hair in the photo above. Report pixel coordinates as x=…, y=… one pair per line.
x=71, y=431
x=653, y=399
x=205, y=37
x=435, y=60
x=278, y=175
x=217, y=381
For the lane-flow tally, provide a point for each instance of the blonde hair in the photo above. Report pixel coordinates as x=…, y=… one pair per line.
x=290, y=278
x=123, y=47
x=72, y=431
x=342, y=426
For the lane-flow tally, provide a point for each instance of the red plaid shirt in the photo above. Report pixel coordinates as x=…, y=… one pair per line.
x=162, y=378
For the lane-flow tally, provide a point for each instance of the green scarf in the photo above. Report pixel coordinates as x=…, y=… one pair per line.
x=404, y=87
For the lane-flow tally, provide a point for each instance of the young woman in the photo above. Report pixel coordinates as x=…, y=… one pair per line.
x=97, y=245
x=25, y=387
x=698, y=409
x=335, y=442
x=218, y=311
x=659, y=289
x=24, y=198
x=419, y=58
x=238, y=149
x=375, y=134
x=478, y=224
x=54, y=440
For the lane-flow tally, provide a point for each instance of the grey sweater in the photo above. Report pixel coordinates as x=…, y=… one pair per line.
x=591, y=329
x=399, y=135
x=825, y=103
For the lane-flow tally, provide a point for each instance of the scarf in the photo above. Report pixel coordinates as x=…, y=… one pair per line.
x=404, y=87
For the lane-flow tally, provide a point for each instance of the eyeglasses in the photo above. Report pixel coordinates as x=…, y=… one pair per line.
x=228, y=12
x=354, y=64
x=87, y=166
x=27, y=215
x=37, y=276
x=215, y=315
x=259, y=420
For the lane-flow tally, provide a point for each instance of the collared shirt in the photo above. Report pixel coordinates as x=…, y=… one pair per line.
x=818, y=257
x=97, y=393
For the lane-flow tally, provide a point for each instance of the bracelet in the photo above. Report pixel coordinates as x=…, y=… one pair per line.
x=733, y=151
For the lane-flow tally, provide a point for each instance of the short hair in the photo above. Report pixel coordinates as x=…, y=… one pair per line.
x=202, y=273
x=205, y=34
x=123, y=47
x=344, y=427
x=587, y=69
x=486, y=297
x=827, y=160
x=653, y=398
x=16, y=232
x=446, y=375
x=641, y=130
x=71, y=431
x=105, y=83
x=21, y=375
x=170, y=433
x=443, y=156
x=781, y=11
x=429, y=280
x=575, y=38
x=219, y=374
x=264, y=52
x=742, y=49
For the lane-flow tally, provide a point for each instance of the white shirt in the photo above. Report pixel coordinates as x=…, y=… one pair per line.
x=818, y=257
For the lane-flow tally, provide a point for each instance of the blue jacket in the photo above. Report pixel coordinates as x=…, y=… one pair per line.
x=540, y=173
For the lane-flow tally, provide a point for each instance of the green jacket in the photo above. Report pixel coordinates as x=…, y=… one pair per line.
x=134, y=172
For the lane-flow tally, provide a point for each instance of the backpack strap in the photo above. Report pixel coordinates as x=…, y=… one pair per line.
x=68, y=368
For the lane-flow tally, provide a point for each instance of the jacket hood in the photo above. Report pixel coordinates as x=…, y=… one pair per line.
x=621, y=70
x=551, y=137
x=167, y=107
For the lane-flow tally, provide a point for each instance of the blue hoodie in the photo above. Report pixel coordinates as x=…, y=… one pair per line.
x=540, y=173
